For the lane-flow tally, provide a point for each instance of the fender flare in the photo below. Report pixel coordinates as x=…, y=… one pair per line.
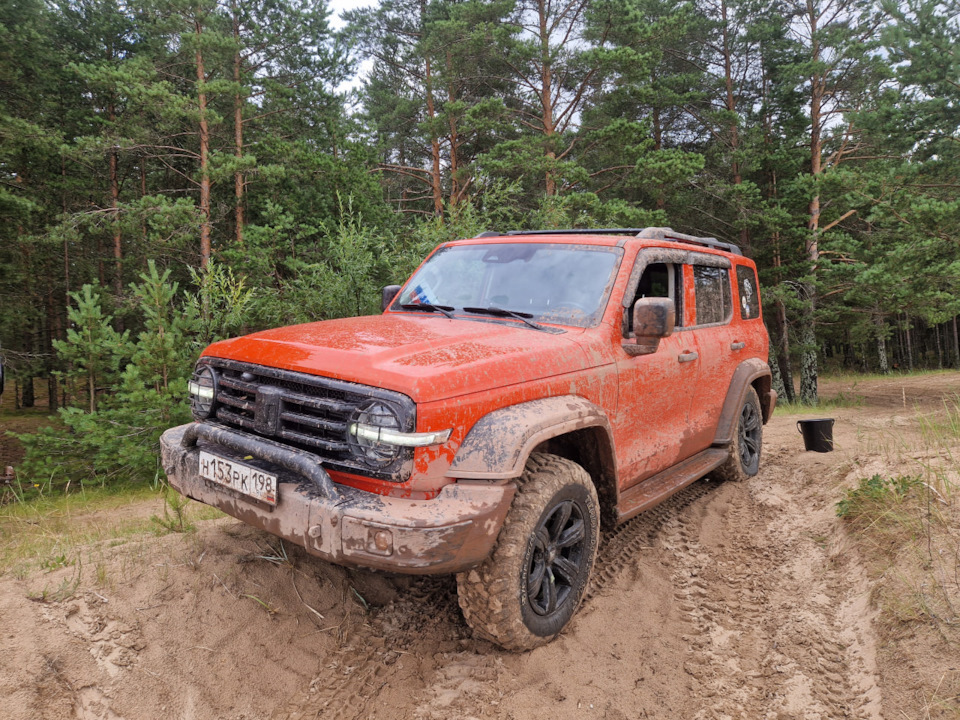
x=497, y=446
x=749, y=372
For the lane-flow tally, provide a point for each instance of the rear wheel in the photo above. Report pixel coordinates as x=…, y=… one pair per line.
x=525, y=593
x=744, y=460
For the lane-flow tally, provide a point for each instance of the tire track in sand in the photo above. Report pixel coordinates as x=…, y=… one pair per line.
x=363, y=666
x=765, y=607
x=345, y=687
x=620, y=546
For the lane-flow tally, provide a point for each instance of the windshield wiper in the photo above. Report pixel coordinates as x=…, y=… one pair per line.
x=429, y=307
x=501, y=312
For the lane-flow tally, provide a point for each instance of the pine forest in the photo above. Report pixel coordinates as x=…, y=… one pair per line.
x=173, y=172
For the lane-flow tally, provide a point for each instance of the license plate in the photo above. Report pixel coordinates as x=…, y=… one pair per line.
x=240, y=477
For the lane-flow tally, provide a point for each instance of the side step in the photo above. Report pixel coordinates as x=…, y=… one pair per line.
x=656, y=489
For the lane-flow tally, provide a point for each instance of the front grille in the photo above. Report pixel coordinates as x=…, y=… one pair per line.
x=306, y=412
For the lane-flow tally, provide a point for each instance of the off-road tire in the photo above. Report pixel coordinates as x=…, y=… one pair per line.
x=744, y=460
x=494, y=596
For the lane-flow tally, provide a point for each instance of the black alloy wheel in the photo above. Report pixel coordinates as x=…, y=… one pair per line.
x=747, y=442
x=557, y=561
x=751, y=428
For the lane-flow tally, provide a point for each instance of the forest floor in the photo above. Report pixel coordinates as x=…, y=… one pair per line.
x=750, y=600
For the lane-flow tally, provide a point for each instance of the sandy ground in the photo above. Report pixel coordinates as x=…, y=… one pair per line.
x=728, y=601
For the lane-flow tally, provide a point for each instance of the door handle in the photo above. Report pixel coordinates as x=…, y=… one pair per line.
x=737, y=345
x=688, y=356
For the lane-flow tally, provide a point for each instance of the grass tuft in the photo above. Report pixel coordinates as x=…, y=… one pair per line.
x=174, y=513
x=875, y=499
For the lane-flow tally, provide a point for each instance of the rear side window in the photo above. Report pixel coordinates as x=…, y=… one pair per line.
x=714, y=301
x=749, y=294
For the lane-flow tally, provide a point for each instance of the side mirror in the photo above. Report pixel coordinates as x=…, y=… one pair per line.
x=653, y=318
x=387, y=295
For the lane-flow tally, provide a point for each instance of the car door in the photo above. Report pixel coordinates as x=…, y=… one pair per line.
x=718, y=343
x=656, y=390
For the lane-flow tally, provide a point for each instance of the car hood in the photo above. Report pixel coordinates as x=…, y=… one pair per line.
x=425, y=357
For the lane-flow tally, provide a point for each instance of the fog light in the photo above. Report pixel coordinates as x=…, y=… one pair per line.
x=383, y=540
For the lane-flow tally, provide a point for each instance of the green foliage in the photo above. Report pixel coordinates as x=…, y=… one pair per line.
x=162, y=350
x=221, y=305
x=93, y=347
x=874, y=498
x=174, y=513
x=346, y=280
x=692, y=114
x=117, y=438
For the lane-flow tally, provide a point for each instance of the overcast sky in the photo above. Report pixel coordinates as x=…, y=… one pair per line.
x=338, y=6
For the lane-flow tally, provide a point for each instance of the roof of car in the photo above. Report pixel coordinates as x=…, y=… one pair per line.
x=616, y=235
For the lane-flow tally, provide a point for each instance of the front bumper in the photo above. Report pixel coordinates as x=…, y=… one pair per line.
x=452, y=532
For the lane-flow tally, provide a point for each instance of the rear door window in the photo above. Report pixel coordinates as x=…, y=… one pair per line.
x=713, y=294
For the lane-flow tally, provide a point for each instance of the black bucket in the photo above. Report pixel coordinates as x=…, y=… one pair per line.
x=817, y=434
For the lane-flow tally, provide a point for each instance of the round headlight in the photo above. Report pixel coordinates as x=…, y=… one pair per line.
x=376, y=414
x=203, y=392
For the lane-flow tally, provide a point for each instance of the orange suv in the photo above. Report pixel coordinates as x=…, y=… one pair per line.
x=517, y=392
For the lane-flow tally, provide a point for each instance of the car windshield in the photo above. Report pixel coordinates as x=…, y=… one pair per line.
x=553, y=283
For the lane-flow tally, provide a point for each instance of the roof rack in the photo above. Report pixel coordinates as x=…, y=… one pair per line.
x=665, y=233
x=650, y=233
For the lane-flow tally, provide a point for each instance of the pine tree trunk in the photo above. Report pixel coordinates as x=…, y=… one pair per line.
x=956, y=344
x=776, y=377
x=115, y=211
x=49, y=326
x=900, y=354
x=101, y=273
x=454, y=138
x=906, y=332
x=881, y=344
x=783, y=351
x=28, y=400
x=434, y=147
x=730, y=100
x=808, y=360
x=546, y=97
x=731, y=104
x=939, y=348
x=435, y=184
x=657, y=147
x=238, y=183
x=66, y=271
x=66, y=245
x=52, y=399
x=59, y=335
x=205, y=247
x=92, y=391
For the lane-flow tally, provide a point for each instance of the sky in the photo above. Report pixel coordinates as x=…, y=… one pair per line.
x=338, y=6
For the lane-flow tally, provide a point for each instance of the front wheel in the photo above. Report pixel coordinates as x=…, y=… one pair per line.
x=744, y=460
x=529, y=587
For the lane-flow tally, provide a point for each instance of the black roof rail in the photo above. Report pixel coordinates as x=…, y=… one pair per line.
x=649, y=233
x=488, y=233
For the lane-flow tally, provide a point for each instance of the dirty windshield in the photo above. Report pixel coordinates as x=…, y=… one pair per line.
x=552, y=283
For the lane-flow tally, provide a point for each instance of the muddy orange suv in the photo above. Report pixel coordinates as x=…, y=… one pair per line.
x=517, y=392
